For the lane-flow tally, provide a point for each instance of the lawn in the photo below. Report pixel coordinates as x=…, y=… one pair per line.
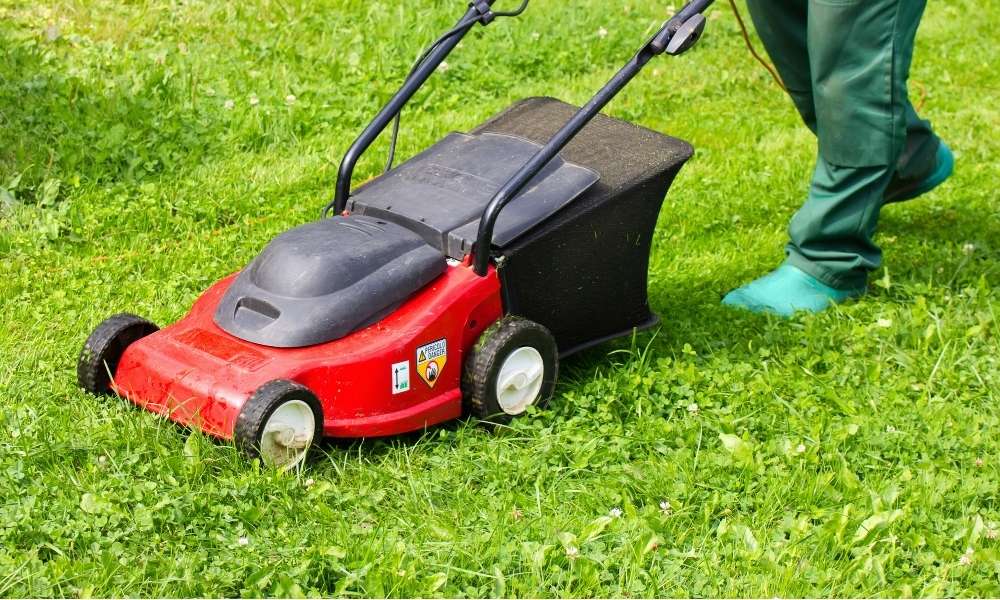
x=149, y=148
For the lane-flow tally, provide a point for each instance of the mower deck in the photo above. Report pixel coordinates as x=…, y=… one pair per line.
x=198, y=375
x=249, y=329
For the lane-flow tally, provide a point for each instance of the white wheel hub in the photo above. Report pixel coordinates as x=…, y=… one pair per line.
x=520, y=380
x=287, y=434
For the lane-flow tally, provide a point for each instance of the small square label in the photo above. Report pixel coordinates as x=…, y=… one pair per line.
x=400, y=377
x=431, y=359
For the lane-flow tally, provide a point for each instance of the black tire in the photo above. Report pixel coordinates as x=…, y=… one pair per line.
x=254, y=416
x=482, y=367
x=101, y=352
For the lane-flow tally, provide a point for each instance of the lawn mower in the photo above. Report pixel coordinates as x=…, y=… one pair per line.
x=452, y=283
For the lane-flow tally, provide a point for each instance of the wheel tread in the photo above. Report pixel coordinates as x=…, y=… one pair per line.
x=91, y=373
x=258, y=408
x=476, y=376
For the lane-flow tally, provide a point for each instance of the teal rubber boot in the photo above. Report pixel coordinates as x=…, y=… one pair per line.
x=785, y=291
x=900, y=190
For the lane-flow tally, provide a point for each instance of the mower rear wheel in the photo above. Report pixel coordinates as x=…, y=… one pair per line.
x=98, y=360
x=513, y=366
x=279, y=423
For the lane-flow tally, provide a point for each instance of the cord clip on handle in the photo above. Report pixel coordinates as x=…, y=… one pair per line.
x=486, y=14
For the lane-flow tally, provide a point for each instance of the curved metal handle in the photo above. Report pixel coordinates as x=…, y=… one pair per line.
x=397, y=102
x=655, y=46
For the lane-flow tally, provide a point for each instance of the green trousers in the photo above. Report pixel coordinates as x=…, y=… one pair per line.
x=845, y=64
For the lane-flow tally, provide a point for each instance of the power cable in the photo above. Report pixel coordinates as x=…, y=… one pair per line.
x=753, y=51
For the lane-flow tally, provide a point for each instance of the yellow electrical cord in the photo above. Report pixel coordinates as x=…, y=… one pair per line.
x=753, y=51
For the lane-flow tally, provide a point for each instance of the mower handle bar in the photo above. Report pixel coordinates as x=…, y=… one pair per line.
x=688, y=22
x=479, y=12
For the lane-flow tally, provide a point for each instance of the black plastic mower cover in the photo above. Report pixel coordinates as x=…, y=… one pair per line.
x=322, y=280
x=441, y=192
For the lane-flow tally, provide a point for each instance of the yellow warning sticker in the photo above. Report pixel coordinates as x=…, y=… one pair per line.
x=430, y=360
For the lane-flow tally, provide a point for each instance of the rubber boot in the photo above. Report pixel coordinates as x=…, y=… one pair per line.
x=785, y=291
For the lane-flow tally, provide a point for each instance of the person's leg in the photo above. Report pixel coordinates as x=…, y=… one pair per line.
x=860, y=53
x=831, y=235
x=920, y=149
x=925, y=162
x=859, y=56
x=782, y=27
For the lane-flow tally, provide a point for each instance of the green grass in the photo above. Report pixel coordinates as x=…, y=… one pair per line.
x=853, y=453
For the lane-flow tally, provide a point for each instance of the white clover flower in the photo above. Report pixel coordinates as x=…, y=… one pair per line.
x=229, y=104
x=992, y=534
x=665, y=507
x=966, y=558
x=890, y=429
x=969, y=248
x=693, y=408
x=243, y=540
x=602, y=33
x=254, y=100
x=615, y=512
x=517, y=514
x=102, y=459
x=310, y=482
x=979, y=461
x=800, y=448
x=290, y=99
x=884, y=323
x=208, y=92
x=572, y=552
x=536, y=36
x=444, y=66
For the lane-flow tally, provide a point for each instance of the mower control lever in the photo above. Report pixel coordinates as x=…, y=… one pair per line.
x=687, y=36
x=682, y=31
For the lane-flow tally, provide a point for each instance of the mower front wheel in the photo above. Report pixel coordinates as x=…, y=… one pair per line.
x=98, y=360
x=279, y=423
x=514, y=365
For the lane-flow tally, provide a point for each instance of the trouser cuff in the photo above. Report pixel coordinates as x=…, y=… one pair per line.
x=848, y=282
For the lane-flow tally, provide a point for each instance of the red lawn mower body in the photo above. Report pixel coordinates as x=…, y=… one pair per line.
x=197, y=374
